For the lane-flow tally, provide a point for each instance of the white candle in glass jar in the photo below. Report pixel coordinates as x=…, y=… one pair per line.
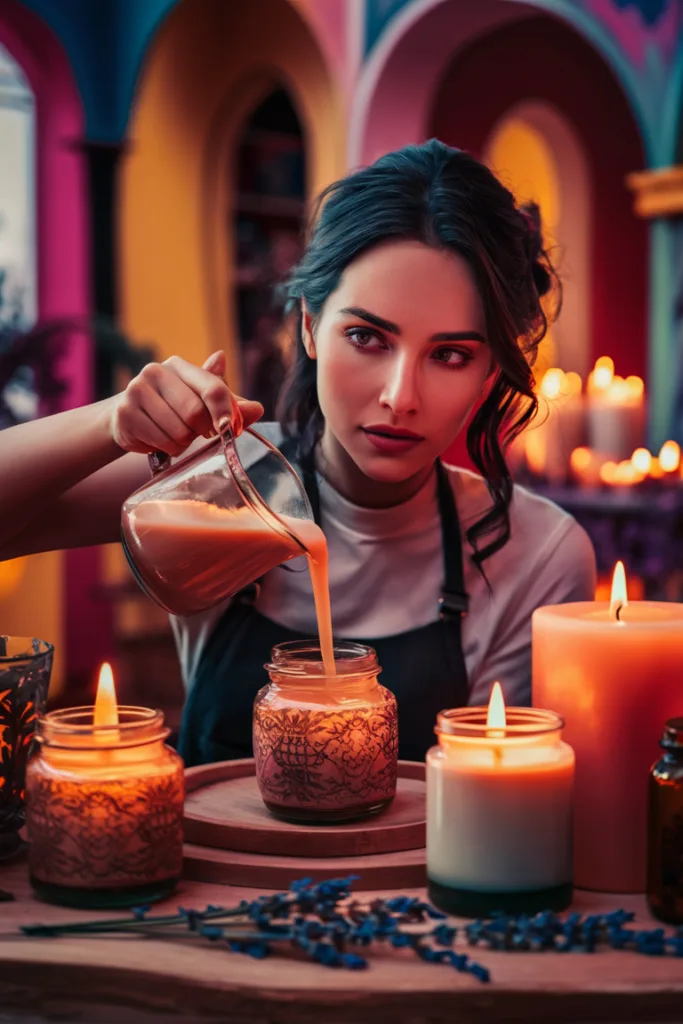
x=499, y=811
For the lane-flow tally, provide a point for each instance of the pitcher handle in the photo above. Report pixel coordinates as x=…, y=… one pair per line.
x=158, y=461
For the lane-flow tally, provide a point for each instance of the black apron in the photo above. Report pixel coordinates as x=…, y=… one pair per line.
x=425, y=667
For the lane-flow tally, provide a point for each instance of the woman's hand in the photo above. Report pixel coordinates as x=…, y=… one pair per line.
x=170, y=404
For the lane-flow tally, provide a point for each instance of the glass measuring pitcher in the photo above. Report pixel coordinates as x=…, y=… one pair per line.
x=213, y=522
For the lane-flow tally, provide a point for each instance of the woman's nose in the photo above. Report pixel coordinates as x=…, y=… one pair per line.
x=400, y=393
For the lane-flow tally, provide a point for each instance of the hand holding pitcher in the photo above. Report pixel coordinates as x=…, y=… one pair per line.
x=170, y=404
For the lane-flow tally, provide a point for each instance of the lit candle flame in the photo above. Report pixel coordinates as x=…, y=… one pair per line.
x=106, y=708
x=495, y=719
x=619, y=598
x=670, y=456
x=642, y=460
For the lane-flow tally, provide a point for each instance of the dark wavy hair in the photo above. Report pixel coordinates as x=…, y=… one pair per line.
x=447, y=199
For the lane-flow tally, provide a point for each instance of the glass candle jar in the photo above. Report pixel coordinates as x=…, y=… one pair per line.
x=665, y=828
x=104, y=809
x=326, y=747
x=499, y=813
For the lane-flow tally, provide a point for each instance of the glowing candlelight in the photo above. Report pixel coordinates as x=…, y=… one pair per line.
x=106, y=708
x=670, y=456
x=495, y=716
x=619, y=597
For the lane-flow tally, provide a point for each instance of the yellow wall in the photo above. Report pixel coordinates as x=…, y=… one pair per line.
x=31, y=603
x=523, y=160
x=209, y=66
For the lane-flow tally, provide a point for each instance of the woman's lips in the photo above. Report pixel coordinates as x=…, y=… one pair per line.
x=390, y=441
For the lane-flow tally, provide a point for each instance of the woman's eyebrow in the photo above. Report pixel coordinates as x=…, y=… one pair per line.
x=391, y=328
x=371, y=318
x=458, y=336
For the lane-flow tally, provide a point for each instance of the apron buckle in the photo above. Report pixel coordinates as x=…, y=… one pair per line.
x=452, y=605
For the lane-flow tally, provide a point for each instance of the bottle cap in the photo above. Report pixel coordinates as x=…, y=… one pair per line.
x=673, y=734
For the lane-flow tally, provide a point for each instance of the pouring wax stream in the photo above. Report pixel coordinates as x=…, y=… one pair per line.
x=197, y=552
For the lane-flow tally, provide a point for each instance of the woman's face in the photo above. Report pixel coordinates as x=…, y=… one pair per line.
x=402, y=358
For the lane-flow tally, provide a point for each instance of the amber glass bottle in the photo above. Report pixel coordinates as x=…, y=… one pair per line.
x=665, y=828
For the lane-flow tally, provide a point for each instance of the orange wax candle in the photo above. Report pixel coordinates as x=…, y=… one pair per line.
x=613, y=671
x=104, y=805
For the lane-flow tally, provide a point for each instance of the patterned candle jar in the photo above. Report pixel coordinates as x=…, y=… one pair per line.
x=326, y=747
x=104, y=809
x=25, y=667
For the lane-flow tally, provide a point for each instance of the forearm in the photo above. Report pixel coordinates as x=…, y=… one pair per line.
x=41, y=460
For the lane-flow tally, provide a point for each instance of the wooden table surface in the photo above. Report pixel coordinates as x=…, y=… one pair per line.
x=128, y=979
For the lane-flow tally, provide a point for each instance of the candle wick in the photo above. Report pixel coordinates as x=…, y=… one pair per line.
x=617, y=612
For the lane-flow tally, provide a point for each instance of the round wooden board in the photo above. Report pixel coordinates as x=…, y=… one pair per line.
x=400, y=870
x=224, y=811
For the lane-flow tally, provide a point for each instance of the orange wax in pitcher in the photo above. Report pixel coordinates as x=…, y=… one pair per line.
x=192, y=548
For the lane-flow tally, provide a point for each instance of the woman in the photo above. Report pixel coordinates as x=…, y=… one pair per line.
x=419, y=299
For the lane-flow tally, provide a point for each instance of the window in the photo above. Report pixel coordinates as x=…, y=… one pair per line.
x=18, y=298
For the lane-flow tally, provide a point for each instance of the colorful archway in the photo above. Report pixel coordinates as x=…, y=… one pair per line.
x=51, y=596
x=541, y=58
x=206, y=69
x=405, y=65
x=538, y=155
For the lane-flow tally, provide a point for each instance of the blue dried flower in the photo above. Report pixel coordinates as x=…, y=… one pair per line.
x=445, y=934
x=139, y=912
x=258, y=950
x=399, y=940
x=478, y=971
x=651, y=943
x=354, y=962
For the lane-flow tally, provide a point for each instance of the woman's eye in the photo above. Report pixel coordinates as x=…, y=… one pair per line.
x=452, y=357
x=362, y=337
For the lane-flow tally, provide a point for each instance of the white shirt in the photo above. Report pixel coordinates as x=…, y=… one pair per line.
x=386, y=574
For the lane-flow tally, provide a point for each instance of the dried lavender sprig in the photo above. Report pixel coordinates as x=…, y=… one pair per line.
x=139, y=922
x=303, y=893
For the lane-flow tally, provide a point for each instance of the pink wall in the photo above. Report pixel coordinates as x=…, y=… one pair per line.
x=63, y=283
x=62, y=206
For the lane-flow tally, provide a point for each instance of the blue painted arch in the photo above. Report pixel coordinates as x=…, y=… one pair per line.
x=105, y=42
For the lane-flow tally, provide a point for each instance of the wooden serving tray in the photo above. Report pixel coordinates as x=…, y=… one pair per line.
x=224, y=809
x=232, y=839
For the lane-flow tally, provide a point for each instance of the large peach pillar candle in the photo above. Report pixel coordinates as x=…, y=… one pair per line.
x=614, y=672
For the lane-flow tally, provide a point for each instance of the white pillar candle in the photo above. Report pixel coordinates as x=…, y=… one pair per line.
x=499, y=811
x=616, y=412
x=559, y=427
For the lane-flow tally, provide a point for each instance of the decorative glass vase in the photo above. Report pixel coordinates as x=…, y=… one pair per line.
x=326, y=747
x=25, y=667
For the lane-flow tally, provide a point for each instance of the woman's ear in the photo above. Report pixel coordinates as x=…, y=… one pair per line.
x=307, y=331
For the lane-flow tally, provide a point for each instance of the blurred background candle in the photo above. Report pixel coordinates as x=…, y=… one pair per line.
x=559, y=428
x=499, y=798
x=104, y=805
x=613, y=671
x=616, y=412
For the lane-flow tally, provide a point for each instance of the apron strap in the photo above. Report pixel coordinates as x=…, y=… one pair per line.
x=454, y=601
